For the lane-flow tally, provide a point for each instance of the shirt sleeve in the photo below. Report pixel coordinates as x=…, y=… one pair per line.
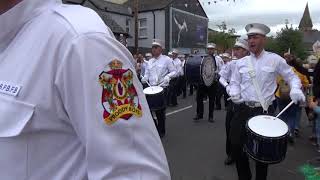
x=235, y=81
x=108, y=110
x=224, y=74
x=287, y=73
x=172, y=70
x=317, y=110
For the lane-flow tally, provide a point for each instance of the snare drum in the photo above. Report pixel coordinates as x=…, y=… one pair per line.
x=200, y=70
x=266, y=139
x=155, y=97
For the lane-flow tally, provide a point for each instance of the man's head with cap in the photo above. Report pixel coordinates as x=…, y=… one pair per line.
x=148, y=56
x=211, y=47
x=157, y=47
x=257, y=37
x=175, y=53
x=241, y=48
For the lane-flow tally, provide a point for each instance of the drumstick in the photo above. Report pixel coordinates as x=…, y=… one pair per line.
x=284, y=109
x=147, y=82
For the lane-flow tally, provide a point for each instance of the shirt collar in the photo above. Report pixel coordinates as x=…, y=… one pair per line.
x=260, y=55
x=14, y=19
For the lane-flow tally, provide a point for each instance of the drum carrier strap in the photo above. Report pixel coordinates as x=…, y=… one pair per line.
x=252, y=74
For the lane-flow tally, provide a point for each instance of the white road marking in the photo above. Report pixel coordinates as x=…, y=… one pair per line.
x=178, y=110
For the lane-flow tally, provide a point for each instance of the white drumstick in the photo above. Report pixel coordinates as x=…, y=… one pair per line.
x=284, y=109
x=147, y=82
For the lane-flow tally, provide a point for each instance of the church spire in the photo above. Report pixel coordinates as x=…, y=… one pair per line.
x=306, y=22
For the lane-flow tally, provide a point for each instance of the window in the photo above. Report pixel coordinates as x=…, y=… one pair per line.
x=128, y=22
x=143, y=30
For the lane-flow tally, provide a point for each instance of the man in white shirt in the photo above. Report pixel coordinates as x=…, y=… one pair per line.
x=240, y=50
x=252, y=86
x=71, y=105
x=203, y=90
x=160, y=70
x=183, y=81
x=174, y=83
x=148, y=56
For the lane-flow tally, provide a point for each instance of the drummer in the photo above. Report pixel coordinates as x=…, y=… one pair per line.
x=240, y=50
x=203, y=90
x=159, y=71
x=252, y=86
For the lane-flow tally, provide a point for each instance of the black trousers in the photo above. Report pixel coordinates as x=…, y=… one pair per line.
x=183, y=85
x=161, y=117
x=173, y=91
x=218, y=95
x=231, y=109
x=238, y=137
x=191, y=86
x=203, y=91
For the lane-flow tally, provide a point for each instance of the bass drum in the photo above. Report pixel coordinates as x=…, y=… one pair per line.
x=200, y=70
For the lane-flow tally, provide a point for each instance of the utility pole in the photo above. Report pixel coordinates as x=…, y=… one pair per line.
x=136, y=26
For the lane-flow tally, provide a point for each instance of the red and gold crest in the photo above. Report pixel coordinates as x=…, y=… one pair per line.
x=119, y=96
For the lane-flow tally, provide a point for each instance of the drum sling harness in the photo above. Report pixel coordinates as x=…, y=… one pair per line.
x=252, y=74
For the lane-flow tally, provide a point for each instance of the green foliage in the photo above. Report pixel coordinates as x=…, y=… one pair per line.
x=285, y=39
x=310, y=172
x=224, y=39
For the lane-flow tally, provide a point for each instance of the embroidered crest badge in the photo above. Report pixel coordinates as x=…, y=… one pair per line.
x=119, y=96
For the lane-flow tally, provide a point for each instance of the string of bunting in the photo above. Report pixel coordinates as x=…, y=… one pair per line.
x=204, y=3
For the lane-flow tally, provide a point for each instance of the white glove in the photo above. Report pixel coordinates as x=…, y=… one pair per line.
x=236, y=99
x=228, y=90
x=166, y=79
x=297, y=95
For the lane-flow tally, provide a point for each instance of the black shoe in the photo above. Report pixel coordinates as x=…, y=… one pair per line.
x=218, y=108
x=211, y=120
x=174, y=105
x=197, y=118
x=291, y=140
x=228, y=161
x=296, y=133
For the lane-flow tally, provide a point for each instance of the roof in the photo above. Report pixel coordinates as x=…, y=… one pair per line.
x=149, y=5
x=112, y=7
x=311, y=36
x=306, y=21
x=112, y=24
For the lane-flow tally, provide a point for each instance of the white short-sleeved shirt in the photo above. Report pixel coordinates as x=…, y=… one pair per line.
x=71, y=106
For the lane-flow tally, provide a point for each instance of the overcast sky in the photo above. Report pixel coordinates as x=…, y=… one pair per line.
x=270, y=12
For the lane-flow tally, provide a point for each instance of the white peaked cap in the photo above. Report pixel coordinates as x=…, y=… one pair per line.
x=169, y=53
x=181, y=56
x=157, y=42
x=176, y=51
x=148, y=55
x=211, y=45
x=257, y=28
x=227, y=55
x=242, y=42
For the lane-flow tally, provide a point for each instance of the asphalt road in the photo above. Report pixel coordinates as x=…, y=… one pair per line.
x=196, y=151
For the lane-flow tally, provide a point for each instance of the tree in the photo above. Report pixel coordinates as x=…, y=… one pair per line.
x=224, y=38
x=293, y=39
x=286, y=38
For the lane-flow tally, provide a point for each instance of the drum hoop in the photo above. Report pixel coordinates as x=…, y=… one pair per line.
x=263, y=161
x=200, y=75
x=201, y=71
x=261, y=136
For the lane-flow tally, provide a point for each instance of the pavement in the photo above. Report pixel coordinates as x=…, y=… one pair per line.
x=196, y=151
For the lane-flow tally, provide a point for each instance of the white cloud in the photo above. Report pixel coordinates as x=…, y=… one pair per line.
x=272, y=13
